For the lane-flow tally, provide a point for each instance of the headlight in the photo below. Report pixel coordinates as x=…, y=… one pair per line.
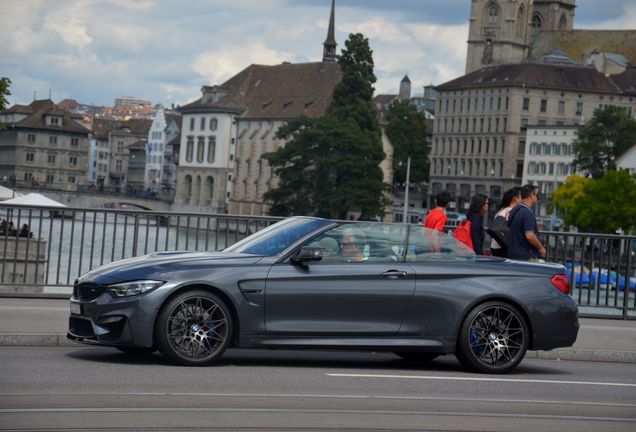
x=133, y=288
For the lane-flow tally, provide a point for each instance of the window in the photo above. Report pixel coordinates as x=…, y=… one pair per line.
x=211, y=149
x=71, y=179
x=51, y=158
x=544, y=105
x=30, y=157
x=213, y=124
x=526, y=103
x=191, y=123
x=31, y=138
x=200, y=148
x=74, y=142
x=579, y=108
x=202, y=124
x=55, y=120
x=189, y=149
x=561, y=107
x=524, y=123
x=72, y=160
x=492, y=14
x=49, y=178
x=120, y=146
x=118, y=166
x=52, y=139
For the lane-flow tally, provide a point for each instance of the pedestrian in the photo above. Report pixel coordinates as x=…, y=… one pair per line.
x=524, y=243
x=475, y=215
x=436, y=218
x=499, y=230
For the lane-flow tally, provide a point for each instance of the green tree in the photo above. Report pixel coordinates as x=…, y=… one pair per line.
x=602, y=205
x=566, y=197
x=407, y=131
x=608, y=135
x=330, y=165
x=4, y=92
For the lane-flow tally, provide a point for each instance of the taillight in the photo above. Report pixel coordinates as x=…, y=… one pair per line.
x=561, y=282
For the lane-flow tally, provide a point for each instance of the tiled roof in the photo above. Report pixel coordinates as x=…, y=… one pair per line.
x=102, y=127
x=626, y=81
x=176, y=117
x=282, y=91
x=535, y=75
x=36, y=117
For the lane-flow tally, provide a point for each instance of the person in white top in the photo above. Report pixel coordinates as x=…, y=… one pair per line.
x=509, y=200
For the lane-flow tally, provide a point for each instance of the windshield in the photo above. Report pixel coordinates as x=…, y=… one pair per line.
x=277, y=237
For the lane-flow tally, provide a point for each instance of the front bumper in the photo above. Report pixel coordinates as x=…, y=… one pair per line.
x=115, y=321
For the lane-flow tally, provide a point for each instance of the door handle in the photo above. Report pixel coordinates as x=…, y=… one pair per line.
x=394, y=274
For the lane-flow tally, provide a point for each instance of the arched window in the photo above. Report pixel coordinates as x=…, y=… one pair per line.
x=537, y=23
x=563, y=22
x=209, y=185
x=188, y=188
x=521, y=18
x=492, y=14
x=197, y=192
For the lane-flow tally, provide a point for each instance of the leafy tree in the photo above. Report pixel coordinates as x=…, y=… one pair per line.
x=4, y=92
x=608, y=135
x=566, y=197
x=330, y=165
x=602, y=205
x=407, y=131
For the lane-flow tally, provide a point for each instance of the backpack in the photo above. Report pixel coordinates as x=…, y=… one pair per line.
x=462, y=234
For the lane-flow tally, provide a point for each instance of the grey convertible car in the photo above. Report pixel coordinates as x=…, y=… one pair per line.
x=314, y=283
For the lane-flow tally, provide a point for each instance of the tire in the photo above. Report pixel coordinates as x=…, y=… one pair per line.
x=193, y=329
x=493, y=338
x=137, y=351
x=414, y=356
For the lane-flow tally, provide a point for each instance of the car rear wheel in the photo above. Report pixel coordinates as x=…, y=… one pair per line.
x=138, y=351
x=194, y=329
x=493, y=338
x=417, y=356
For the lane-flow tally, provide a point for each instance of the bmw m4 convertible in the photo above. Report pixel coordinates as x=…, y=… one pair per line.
x=315, y=283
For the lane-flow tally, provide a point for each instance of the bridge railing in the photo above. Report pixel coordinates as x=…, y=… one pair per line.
x=60, y=244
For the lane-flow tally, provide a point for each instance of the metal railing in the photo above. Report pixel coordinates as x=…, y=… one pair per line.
x=60, y=244
x=63, y=243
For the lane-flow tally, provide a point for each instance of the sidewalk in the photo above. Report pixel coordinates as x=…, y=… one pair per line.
x=43, y=322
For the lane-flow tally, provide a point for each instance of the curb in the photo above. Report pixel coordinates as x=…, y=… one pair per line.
x=59, y=340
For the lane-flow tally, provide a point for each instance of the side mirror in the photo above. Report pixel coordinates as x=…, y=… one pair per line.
x=306, y=254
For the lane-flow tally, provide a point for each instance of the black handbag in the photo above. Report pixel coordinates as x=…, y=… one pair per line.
x=499, y=230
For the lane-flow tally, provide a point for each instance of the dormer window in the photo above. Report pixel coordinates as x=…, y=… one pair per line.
x=56, y=121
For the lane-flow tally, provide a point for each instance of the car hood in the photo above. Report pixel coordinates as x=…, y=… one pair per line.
x=162, y=262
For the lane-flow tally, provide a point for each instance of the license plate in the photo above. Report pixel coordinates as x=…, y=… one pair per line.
x=76, y=308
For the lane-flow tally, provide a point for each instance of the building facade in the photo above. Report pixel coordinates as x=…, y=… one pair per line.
x=164, y=135
x=43, y=145
x=481, y=120
x=548, y=159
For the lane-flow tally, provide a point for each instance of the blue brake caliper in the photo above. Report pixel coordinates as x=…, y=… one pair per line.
x=474, y=338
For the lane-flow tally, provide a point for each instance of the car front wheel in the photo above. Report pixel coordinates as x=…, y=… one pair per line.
x=194, y=328
x=493, y=338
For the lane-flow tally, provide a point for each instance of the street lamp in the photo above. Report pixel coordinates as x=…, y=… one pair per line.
x=406, y=189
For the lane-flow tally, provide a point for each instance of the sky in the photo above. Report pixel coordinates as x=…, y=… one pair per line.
x=165, y=50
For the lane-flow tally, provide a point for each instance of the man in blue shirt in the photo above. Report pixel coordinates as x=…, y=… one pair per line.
x=524, y=243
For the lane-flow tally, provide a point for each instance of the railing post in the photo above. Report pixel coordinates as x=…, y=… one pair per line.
x=627, y=280
x=136, y=234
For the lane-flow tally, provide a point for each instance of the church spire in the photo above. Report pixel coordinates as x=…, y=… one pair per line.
x=329, y=50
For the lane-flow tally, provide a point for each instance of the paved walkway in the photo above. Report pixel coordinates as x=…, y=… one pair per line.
x=43, y=322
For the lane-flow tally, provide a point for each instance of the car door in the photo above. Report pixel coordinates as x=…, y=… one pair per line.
x=339, y=295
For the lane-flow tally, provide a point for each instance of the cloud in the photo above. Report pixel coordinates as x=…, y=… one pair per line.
x=69, y=23
x=218, y=65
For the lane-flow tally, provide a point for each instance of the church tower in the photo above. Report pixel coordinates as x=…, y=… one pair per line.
x=498, y=32
x=552, y=15
x=329, y=46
